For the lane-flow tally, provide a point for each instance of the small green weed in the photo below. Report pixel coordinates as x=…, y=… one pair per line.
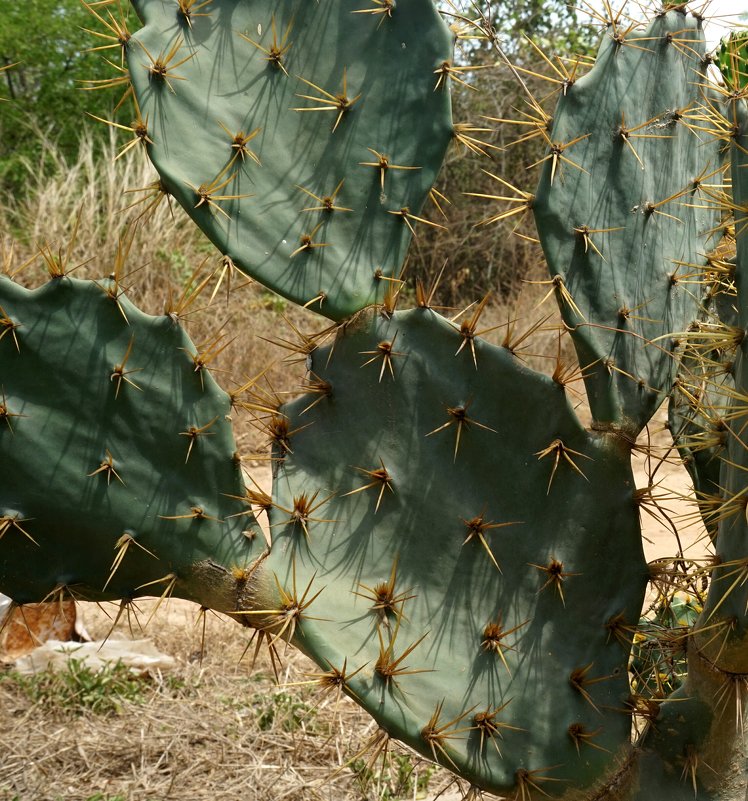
x=280, y=709
x=271, y=302
x=177, y=263
x=79, y=688
x=401, y=777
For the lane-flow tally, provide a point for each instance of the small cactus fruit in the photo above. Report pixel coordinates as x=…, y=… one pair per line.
x=456, y=549
x=302, y=137
x=118, y=461
x=623, y=210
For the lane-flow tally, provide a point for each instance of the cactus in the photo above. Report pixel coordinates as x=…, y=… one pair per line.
x=726, y=602
x=516, y=547
x=733, y=60
x=621, y=212
x=704, y=387
x=698, y=729
x=450, y=544
x=318, y=206
x=113, y=432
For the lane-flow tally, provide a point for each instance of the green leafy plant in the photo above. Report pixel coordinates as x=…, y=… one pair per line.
x=400, y=778
x=284, y=711
x=78, y=688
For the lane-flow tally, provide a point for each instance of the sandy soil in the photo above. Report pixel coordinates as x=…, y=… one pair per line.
x=671, y=480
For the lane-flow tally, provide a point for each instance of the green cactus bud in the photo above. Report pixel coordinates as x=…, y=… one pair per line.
x=733, y=60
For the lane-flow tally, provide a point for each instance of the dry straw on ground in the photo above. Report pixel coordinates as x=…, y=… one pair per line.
x=213, y=728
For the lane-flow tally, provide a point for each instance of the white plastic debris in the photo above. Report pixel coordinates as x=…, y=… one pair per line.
x=140, y=656
x=5, y=603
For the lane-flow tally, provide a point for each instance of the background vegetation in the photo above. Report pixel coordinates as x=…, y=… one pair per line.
x=48, y=42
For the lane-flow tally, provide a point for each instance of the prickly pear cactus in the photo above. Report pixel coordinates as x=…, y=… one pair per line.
x=622, y=212
x=303, y=138
x=701, y=727
x=119, y=469
x=450, y=544
x=704, y=387
x=446, y=564
x=728, y=599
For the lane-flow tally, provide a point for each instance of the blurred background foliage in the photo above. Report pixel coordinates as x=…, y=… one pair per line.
x=48, y=42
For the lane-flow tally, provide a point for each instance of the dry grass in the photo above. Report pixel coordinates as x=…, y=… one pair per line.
x=204, y=731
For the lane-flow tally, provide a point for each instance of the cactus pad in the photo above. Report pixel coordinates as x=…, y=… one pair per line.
x=308, y=159
x=437, y=540
x=118, y=458
x=622, y=214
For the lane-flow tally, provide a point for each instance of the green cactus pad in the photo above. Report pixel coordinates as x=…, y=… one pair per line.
x=733, y=60
x=701, y=395
x=116, y=450
x=622, y=214
x=441, y=536
x=728, y=596
x=325, y=122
